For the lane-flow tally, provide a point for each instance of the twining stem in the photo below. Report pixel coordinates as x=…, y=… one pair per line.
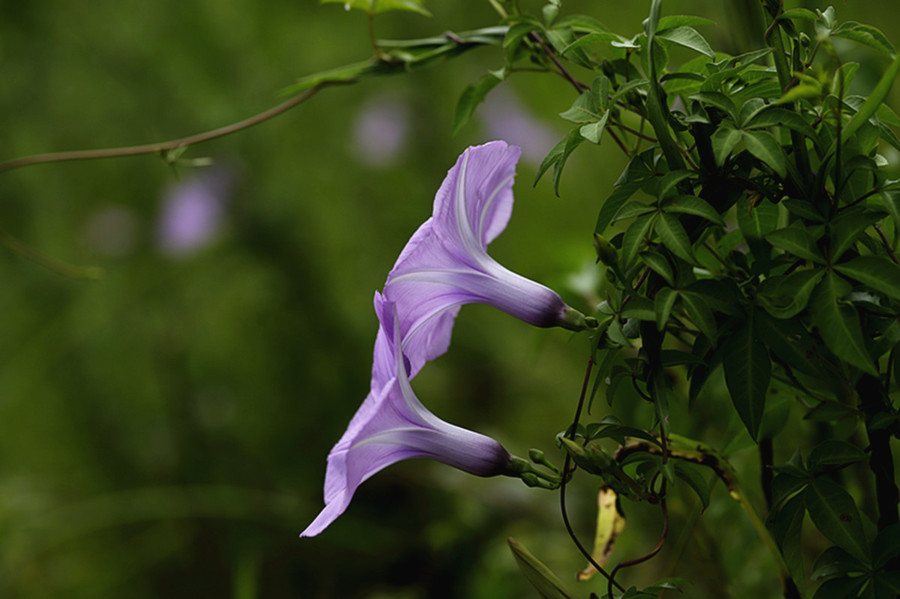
x=167, y=146
x=567, y=469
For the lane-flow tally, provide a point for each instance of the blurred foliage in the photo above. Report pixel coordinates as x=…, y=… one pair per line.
x=163, y=429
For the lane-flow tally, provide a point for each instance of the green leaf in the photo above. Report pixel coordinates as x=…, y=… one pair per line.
x=664, y=301
x=718, y=100
x=685, y=204
x=870, y=106
x=594, y=131
x=379, y=6
x=865, y=34
x=747, y=372
x=672, y=21
x=786, y=296
x=674, y=237
x=694, y=477
x=658, y=263
x=633, y=210
x=723, y=142
x=886, y=546
x=471, y=97
x=776, y=116
x=788, y=527
x=755, y=221
x=833, y=452
x=520, y=31
x=839, y=324
x=700, y=314
x=640, y=308
x=847, y=229
x=803, y=209
x=796, y=241
x=875, y=272
x=583, y=110
x=592, y=38
x=614, y=202
x=635, y=238
x=557, y=158
x=541, y=578
x=763, y=146
x=687, y=37
x=801, y=14
x=835, y=514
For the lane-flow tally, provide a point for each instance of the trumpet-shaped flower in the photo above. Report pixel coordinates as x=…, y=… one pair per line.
x=393, y=425
x=445, y=264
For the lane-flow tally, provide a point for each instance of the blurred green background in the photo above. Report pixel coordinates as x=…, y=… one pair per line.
x=163, y=430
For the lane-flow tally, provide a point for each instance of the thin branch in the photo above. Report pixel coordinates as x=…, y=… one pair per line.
x=887, y=244
x=578, y=85
x=174, y=144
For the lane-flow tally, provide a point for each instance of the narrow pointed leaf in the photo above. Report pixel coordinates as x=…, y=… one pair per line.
x=471, y=97
x=723, y=142
x=764, y=147
x=788, y=527
x=673, y=236
x=788, y=295
x=684, y=204
x=747, y=372
x=875, y=272
x=664, y=301
x=658, y=263
x=839, y=324
x=835, y=514
x=687, y=37
x=541, y=578
x=700, y=313
x=635, y=238
x=845, y=231
x=796, y=241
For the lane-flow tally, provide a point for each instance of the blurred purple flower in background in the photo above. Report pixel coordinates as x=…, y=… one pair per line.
x=193, y=212
x=504, y=117
x=381, y=131
x=393, y=425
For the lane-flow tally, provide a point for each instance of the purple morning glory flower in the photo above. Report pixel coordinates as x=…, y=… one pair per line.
x=393, y=425
x=445, y=264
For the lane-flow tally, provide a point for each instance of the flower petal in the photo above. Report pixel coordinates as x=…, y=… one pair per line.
x=393, y=425
x=475, y=201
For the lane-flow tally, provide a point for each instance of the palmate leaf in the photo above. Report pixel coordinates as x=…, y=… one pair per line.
x=865, y=34
x=847, y=229
x=723, y=142
x=839, y=324
x=379, y=6
x=747, y=373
